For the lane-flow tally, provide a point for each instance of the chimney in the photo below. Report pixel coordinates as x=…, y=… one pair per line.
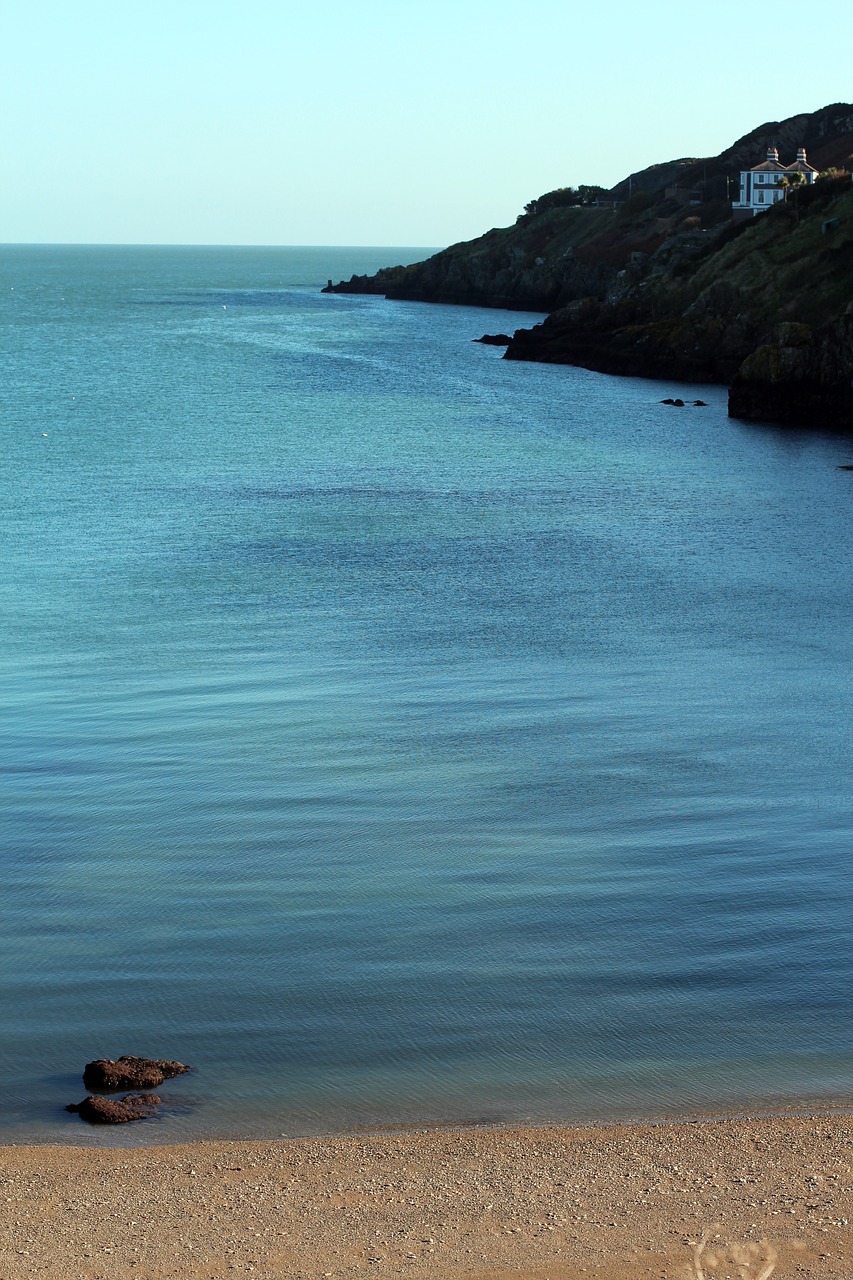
x=773, y=154
x=801, y=154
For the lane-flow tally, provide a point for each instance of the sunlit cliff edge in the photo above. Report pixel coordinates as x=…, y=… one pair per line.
x=655, y=279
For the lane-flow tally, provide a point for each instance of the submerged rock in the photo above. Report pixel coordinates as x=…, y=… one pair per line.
x=130, y=1073
x=494, y=339
x=134, y=1106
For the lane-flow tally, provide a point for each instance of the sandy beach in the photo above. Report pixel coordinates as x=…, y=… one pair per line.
x=735, y=1198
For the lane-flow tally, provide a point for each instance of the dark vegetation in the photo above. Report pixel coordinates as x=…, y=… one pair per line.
x=563, y=198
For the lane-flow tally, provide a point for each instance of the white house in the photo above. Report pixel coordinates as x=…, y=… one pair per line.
x=762, y=186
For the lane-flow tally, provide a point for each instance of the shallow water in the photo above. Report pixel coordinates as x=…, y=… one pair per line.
x=399, y=734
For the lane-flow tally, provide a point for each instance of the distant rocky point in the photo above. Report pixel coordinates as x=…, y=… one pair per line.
x=656, y=279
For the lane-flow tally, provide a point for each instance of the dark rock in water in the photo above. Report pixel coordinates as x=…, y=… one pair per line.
x=701, y=404
x=494, y=339
x=134, y=1106
x=845, y=466
x=668, y=400
x=679, y=404
x=130, y=1073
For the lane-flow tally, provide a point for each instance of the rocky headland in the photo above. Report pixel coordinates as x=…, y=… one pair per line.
x=655, y=279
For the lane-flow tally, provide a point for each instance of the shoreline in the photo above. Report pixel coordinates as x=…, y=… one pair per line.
x=167, y=1127
x=558, y=1202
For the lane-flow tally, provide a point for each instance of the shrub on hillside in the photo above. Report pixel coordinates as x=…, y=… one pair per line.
x=827, y=185
x=635, y=205
x=563, y=197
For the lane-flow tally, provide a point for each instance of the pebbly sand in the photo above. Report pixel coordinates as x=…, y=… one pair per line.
x=771, y=1196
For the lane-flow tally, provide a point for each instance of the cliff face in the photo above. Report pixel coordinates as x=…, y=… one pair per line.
x=801, y=376
x=661, y=283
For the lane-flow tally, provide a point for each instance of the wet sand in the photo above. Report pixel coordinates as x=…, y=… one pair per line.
x=731, y=1198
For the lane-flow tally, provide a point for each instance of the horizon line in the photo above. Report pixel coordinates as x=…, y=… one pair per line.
x=186, y=244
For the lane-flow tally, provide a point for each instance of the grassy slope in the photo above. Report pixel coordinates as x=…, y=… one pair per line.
x=784, y=270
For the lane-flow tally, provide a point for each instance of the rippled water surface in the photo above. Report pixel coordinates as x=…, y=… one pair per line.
x=399, y=734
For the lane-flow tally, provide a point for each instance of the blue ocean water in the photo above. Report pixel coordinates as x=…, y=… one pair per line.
x=399, y=734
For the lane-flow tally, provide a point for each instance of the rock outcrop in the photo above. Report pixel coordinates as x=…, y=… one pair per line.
x=803, y=375
x=130, y=1073
x=134, y=1106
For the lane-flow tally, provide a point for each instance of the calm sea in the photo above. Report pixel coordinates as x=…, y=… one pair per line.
x=398, y=734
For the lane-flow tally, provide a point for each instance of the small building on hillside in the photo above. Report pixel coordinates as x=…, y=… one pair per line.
x=769, y=182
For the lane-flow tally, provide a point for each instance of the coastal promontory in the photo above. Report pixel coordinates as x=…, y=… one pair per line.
x=659, y=278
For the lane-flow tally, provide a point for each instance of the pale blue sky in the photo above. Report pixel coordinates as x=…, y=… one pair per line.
x=332, y=123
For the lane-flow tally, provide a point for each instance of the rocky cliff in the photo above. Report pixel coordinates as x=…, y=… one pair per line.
x=657, y=281
x=764, y=305
x=800, y=376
